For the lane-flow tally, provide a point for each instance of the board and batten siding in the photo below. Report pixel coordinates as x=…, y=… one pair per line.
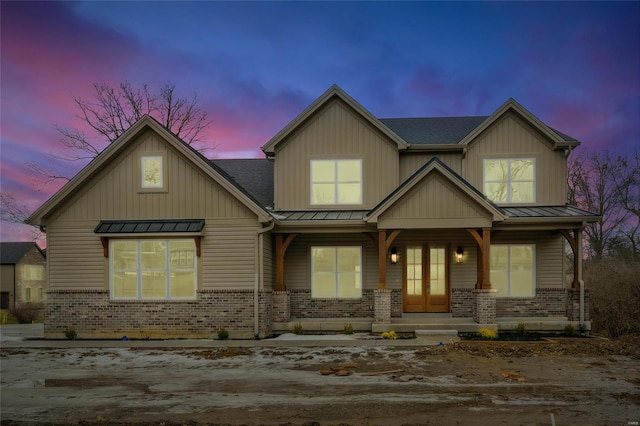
x=228, y=247
x=435, y=203
x=335, y=132
x=114, y=194
x=411, y=162
x=511, y=137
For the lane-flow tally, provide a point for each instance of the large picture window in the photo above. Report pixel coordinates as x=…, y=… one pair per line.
x=510, y=180
x=336, y=182
x=336, y=272
x=153, y=269
x=512, y=270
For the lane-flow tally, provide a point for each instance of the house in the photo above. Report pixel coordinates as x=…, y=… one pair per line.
x=400, y=224
x=22, y=279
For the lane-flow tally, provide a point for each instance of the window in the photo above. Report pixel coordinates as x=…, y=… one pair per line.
x=512, y=270
x=152, y=172
x=27, y=294
x=336, y=181
x=153, y=269
x=510, y=180
x=40, y=294
x=336, y=272
x=35, y=272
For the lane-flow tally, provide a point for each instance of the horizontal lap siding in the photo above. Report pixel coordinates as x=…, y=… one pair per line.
x=75, y=257
x=229, y=255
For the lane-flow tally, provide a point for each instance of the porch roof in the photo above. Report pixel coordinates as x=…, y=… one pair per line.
x=549, y=212
x=356, y=216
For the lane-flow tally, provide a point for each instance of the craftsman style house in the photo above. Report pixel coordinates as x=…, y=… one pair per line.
x=402, y=223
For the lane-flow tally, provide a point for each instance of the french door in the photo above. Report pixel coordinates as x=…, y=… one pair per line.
x=426, y=279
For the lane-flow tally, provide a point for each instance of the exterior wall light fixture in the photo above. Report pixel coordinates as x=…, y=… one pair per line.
x=459, y=254
x=394, y=256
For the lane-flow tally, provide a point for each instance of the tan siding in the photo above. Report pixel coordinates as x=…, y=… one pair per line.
x=435, y=202
x=511, y=137
x=268, y=261
x=75, y=257
x=7, y=278
x=297, y=267
x=336, y=131
x=409, y=163
x=114, y=192
x=549, y=256
x=229, y=259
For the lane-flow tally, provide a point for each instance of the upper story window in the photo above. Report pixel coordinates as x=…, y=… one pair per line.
x=34, y=272
x=510, y=180
x=153, y=172
x=336, y=182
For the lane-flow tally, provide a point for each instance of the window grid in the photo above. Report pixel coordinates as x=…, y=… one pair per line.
x=332, y=276
x=514, y=170
x=340, y=183
x=149, y=272
x=513, y=278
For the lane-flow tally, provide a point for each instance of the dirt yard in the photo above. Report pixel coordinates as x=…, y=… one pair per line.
x=562, y=382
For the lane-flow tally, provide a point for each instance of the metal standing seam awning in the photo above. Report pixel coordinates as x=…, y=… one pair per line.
x=140, y=228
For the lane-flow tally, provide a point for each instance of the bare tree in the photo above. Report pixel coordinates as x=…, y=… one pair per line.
x=627, y=185
x=12, y=212
x=109, y=113
x=592, y=187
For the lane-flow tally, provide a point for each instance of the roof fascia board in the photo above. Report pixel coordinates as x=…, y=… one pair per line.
x=333, y=91
x=419, y=176
x=512, y=105
x=112, y=150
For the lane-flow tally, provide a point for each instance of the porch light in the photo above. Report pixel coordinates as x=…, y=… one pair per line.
x=459, y=253
x=394, y=256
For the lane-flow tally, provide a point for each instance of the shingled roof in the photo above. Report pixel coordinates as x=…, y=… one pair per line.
x=433, y=130
x=12, y=252
x=252, y=175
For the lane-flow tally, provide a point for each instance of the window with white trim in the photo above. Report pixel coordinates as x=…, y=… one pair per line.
x=152, y=173
x=153, y=269
x=513, y=269
x=510, y=180
x=336, y=182
x=336, y=272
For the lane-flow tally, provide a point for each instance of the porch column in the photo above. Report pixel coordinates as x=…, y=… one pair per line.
x=484, y=257
x=575, y=242
x=384, y=243
x=281, y=248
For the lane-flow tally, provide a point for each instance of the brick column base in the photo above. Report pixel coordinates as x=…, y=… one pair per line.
x=281, y=306
x=484, y=310
x=382, y=306
x=573, y=305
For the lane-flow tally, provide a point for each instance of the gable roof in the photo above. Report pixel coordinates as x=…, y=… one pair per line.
x=435, y=164
x=559, y=139
x=12, y=252
x=113, y=149
x=332, y=93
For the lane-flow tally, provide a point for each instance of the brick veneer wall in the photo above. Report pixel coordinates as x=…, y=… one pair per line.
x=548, y=302
x=301, y=305
x=573, y=305
x=93, y=315
x=462, y=302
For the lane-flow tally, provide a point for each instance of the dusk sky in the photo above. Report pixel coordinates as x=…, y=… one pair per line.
x=256, y=65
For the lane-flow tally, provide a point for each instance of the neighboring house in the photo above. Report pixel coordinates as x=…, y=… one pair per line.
x=23, y=277
x=397, y=224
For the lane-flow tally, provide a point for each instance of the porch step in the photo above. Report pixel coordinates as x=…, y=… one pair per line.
x=438, y=336
x=410, y=327
x=325, y=324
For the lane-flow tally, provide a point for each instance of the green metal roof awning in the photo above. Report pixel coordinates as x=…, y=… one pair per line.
x=112, y=227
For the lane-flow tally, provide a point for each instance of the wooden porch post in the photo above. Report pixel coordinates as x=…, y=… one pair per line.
x=575, y=242
x=281, y=248
x=484, y=257
x=383, y=248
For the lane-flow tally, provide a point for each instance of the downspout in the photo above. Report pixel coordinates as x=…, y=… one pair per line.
x=259, y=256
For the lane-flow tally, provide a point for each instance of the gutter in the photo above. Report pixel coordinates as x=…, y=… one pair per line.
x=259, y=256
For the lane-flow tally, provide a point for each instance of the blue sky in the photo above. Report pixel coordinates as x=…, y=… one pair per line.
x=256, y=65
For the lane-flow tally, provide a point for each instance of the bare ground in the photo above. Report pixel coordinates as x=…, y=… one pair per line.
x=566, y=381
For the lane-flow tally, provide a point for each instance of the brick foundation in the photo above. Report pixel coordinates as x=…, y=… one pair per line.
x=281, y=306
x=93, y=315
x=462, y=302
x=573, y=305
x=382, y=309
x=548, y=302
x=485, y=306
x=302, y=305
